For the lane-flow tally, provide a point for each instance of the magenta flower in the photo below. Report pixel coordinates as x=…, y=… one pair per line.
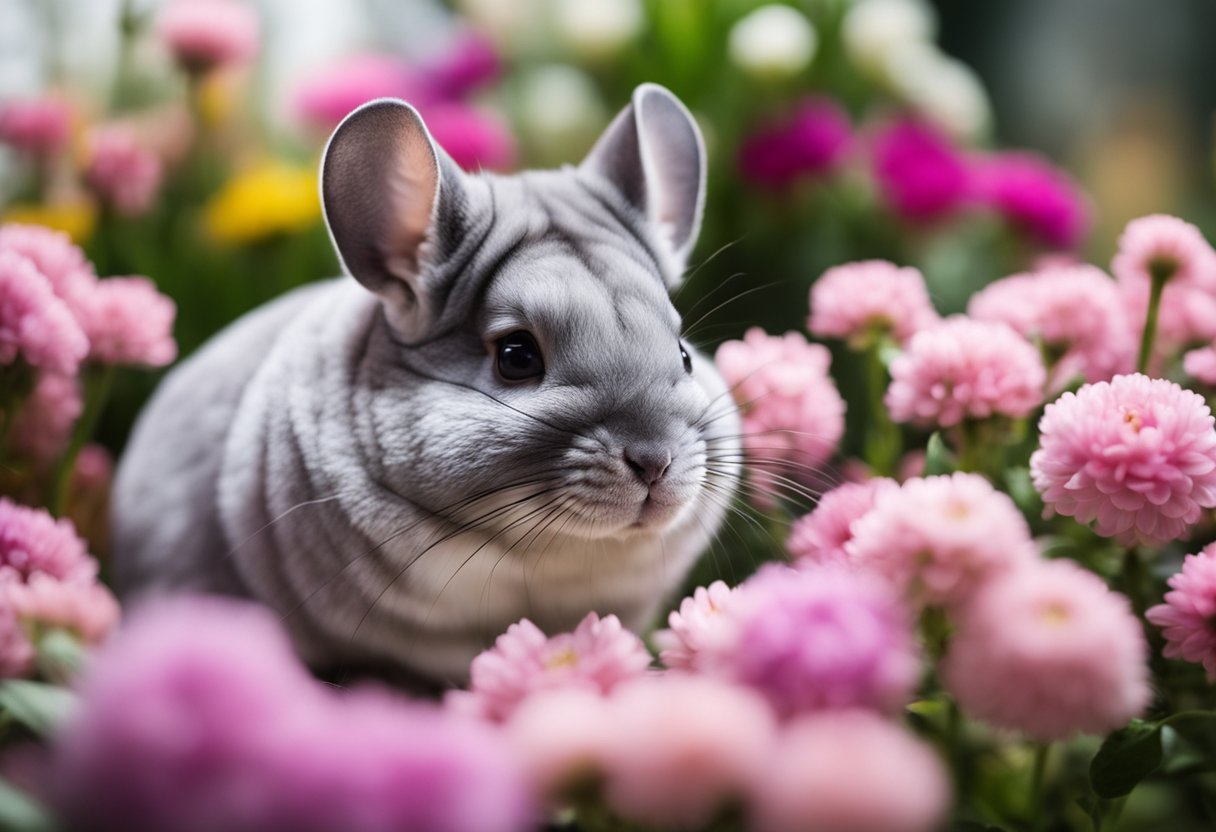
x=1050, y=651
x=697, y=624
x=39, y=126
x=860, y=301
x=128, y=322
x=35, y=325
x=326, y=97
x=598, y=655
x=822, y=535
x=938, y=538
x=42, y=426
x=1201, y=365
x=921, y=174
x=1034, y=196
x=812, y=782
x=474, y=140
x=1186, y=618
x=965, y=369
x=1134, y=456
x=54, y=255
x=470, y=62
x=120, y=172
x=811, y=141
x=205, y=34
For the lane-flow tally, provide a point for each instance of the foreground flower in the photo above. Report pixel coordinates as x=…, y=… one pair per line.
x=55, y=256
x=939, y=538
x=39, y=126
x=811, y=141
x=1050, y=651
x=128, y=322
x=598, y=655
x=811, y=780
x=921, y=174
x=695, y=626
x=1188, y=612
x=1134, y=456
x=562, y=739
x=822, y=535
x=1034, y=196
x=860, y=302
x=35, y=325
x=965, y=369
x=205, y=34
x=120, y=171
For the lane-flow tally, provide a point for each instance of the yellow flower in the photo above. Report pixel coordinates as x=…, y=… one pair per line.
x=273, y=198
x=77, y=217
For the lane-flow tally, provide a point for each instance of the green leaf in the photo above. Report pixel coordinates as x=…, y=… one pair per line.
x=18, y=813
x=1125, y=758
x=938, y=460
x=37, y=706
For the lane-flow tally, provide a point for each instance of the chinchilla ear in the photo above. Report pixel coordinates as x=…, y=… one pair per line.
x=654, y=155
x=390, y=197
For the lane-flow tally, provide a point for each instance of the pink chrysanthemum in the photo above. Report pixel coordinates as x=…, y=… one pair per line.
x=1075, y=311
x=562, y=739
x=965, y=369
x=820, y=537
x=86, y=608
x=53, y=253
x=820, y=638
x=920, y=172
x=1135, y=456
x=121, y=172
x=39, y=125
x=598, y=655
x=859, y=301
x=939, y=538
x=1188, y=616
x=698, y=623
x=128, y=322
x=793, y=415
x=1050, y=651
x=811, y=141
x=31, y=541
x=1033, y=195
x=43, y=425
x=35, y=325
x=205, y=34
x=16, y=651
x=811, y=780
x=1200, y=365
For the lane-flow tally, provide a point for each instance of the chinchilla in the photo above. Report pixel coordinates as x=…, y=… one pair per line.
x=496, y=419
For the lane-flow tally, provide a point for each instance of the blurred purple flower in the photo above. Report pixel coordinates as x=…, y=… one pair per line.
x=469, y=63
x=920, y=172
x=1034, y=195
x=473, y=139
x=811, y=141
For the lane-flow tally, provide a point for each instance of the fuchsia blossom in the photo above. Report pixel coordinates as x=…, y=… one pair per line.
x=921, y=174
x=1135, y=456
x=810, y=141
x=965, y=369
x=37, y=125
x=128, y=322
x=1033, y=195
x=326, y=97
x=205, y=34
x=468, y=63
x=859, y=301
x=1050, y=651
x=1186, y=618
x=473, y=139
x=697, y=624
x=43, y=424
x=598, y=655
x=822, y=535
x=54, y=255
x=35, y=325
x=120, y=171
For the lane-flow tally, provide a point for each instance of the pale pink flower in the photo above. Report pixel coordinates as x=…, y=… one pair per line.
x=120, y=171
x=820, y=537
x=128, y=322
x=1134, y=456
x=35, y=325
x=561, y=738
x=698, y=623
x=685, y=747
x=87, y=608
x=965, y=369
x=938, y=538
x=1188, y=616
x=16, y=651
x=36, y=125
x=42, y=426
x=860, y=301
x=598, y=655
x=205, y=34
x=325, y=97
x=1049, y=651
x=850, y=771
x=53, y=253
x=1034, y=196
x=31, y=541
x=1075, y=311
x=1200, y=365
x=94, y=467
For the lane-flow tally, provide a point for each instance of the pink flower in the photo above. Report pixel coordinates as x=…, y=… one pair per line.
x=54, y=255
x=598, y=655
x=965, y=369
x=921, y=174
x=129, y=322
x=38, y=125
x=793, y=416
x=467, y=64
x=1050, y=651
x=31, y=541
x=685, y=748
x=325, y=98
x=1186, y=618
x=1201, y=365
x=121, y=172
x=473, y=140
x=17, y=653
x=850, y=771
x=861, y=301
x=698, y=623
x=85, y=607
x=1075, y=311
x=939, y=538
x=1135, y=456
x=35, y=325
x=205, y=34
x=562, y=738
x=821, y=536
x=42, y=426
x=810, y=141
x=1033, y=195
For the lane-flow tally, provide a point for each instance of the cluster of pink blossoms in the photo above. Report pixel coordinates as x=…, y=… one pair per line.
x=120, y=170
x=861, y=302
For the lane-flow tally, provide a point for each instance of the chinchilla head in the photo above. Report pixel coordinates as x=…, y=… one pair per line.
x=532, y=369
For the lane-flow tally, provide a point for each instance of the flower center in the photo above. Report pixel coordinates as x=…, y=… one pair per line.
x=1055, y=614
x=1132, y=418
x=1161, y=267
x=565, y=657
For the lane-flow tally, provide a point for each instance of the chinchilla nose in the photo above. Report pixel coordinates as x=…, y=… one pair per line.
x=648, y=461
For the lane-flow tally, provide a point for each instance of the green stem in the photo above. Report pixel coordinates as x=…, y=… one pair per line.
x=97, y=383
x=1157, y=284
x=882, y=444
x=1038, y=779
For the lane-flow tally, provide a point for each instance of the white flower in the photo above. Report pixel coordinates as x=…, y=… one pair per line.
x=512, y=24
x=773, y=41
x=873, y=29
x=943, y=89
x=561, y=111
x=597, y=27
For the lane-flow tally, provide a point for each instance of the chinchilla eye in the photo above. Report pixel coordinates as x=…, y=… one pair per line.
x=519, y=357
x=687, y=359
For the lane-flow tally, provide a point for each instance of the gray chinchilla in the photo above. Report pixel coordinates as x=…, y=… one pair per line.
x=496, y=419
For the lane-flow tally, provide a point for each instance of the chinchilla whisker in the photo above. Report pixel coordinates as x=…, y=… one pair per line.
x=688, y=329
x=720, y=497
x=291, y=510
x=697, y=268
x=534, y=534
x=782, y=484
